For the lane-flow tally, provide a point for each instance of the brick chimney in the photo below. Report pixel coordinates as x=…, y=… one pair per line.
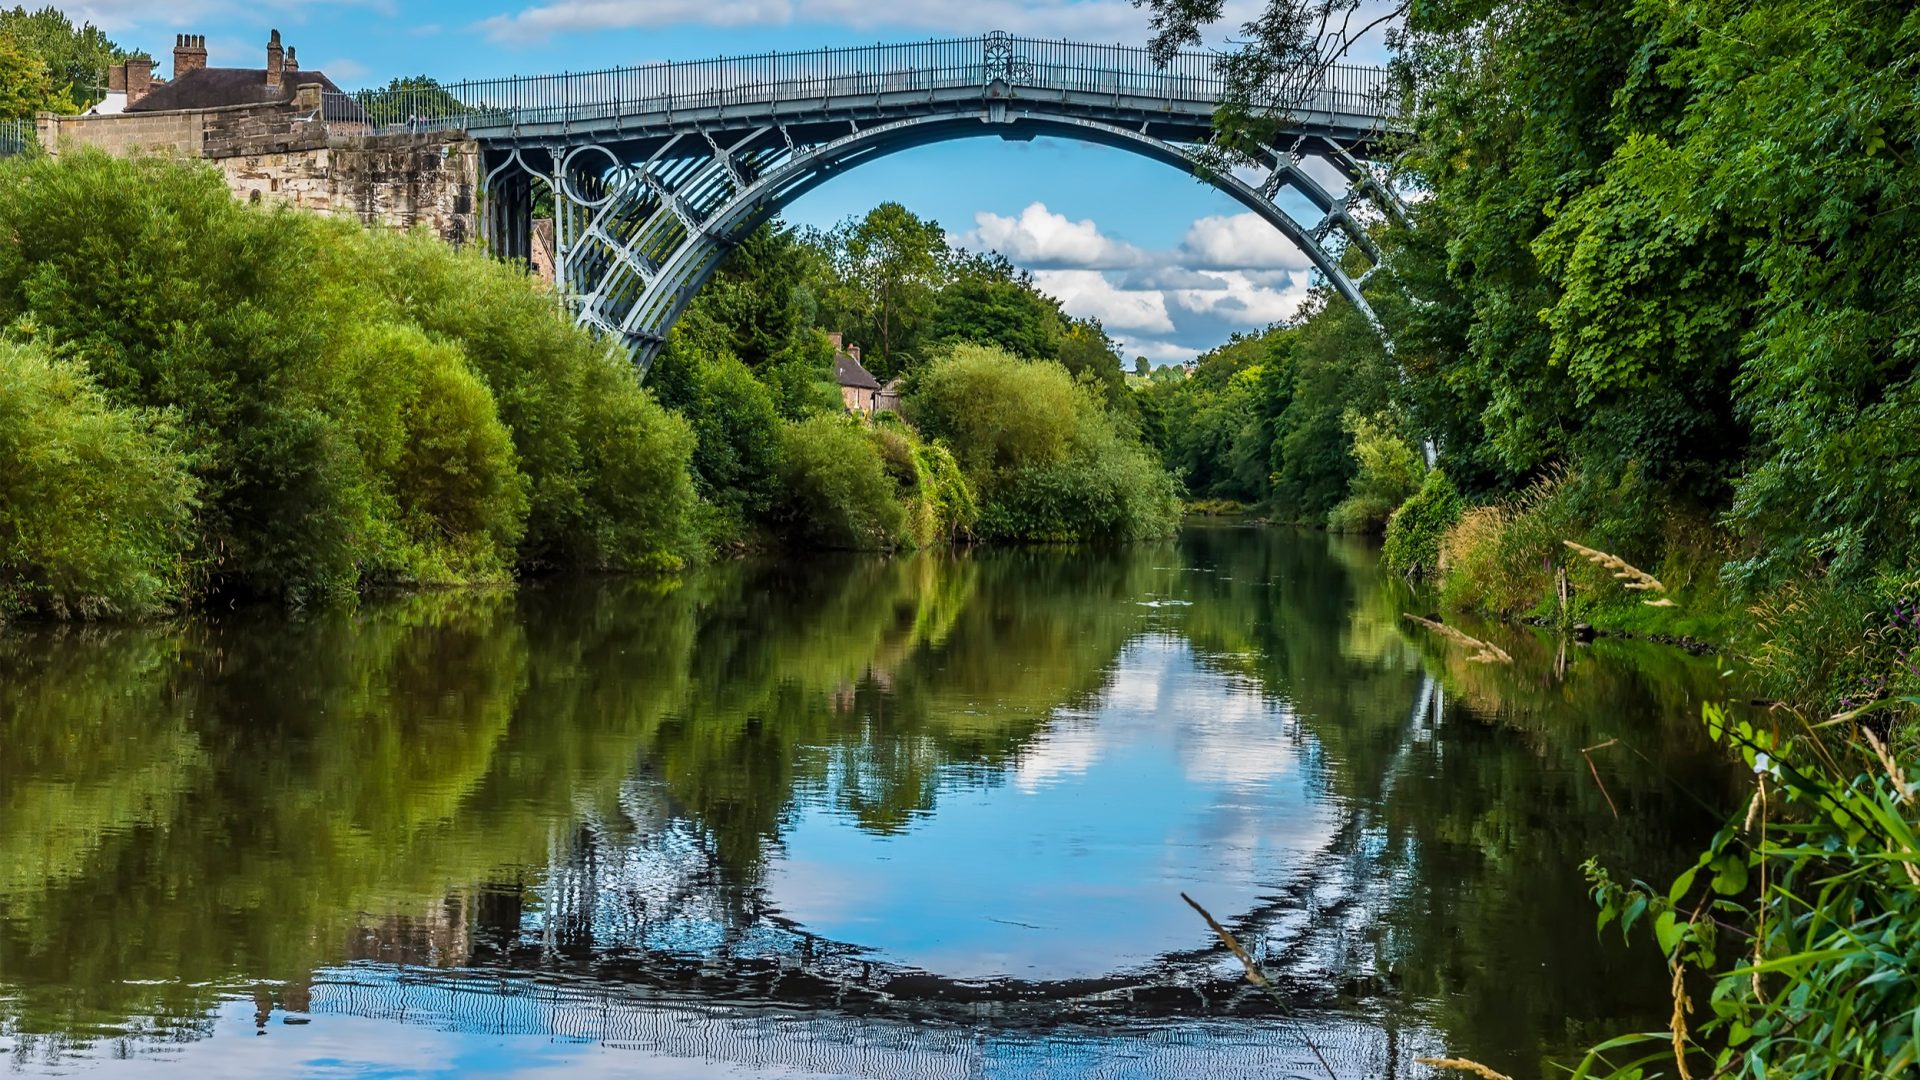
x=838, y=341
x=276, y=60
x=139, y=77
x=293, y=62
x=117, y=79
x=854, y=351
x=189, y=53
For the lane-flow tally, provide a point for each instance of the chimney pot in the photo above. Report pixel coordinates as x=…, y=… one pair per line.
x=189, y=54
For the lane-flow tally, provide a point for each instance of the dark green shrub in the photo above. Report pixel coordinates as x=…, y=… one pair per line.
x=835, y=491
x=637, y=495
x=736, y=427
x=1416, y=529
x=96, y=503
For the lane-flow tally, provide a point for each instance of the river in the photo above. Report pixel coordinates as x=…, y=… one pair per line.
x=925, y=816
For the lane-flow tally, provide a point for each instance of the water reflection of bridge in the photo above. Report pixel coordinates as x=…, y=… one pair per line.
x=858, y=1043
x=631, y=941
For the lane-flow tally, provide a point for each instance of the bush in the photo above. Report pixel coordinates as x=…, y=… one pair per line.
x=96, y=502
x=176, y=297
x=1119, y=494
x=356, y=406
x=835, y=488
x=995, y=410
x=1389, y=472
x=448, y=486
x=1046, y=459
x=636, y=494
x=547, y=378
x=1415, y=531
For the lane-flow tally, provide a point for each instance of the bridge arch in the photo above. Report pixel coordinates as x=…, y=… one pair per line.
x=655, y=173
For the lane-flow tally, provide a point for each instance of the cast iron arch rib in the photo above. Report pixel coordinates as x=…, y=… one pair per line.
x=655, y=173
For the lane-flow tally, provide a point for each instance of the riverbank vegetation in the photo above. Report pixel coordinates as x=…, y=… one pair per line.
x=222, y=399
x=1653, y=312
x=1015, y=424
x=281, y=406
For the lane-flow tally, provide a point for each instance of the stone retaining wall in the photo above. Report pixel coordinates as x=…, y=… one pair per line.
x=280, y=153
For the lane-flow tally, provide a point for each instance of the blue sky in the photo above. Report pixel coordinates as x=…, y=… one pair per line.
x=1171, y=266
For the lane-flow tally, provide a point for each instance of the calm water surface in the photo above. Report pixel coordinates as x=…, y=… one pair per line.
x=918, y=817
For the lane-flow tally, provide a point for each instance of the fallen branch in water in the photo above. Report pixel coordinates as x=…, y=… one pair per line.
x=1485, y=651
x=1463, y=1065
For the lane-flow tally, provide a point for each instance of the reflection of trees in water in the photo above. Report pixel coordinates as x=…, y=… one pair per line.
x=230, y=797
x=224, y=801
x=1460, y=879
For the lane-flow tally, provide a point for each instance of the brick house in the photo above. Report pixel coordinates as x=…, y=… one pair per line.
x=858, y=388
x=196, y=86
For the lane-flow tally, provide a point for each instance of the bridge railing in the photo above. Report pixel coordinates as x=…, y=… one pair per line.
x=17, y=137
x=663, y=89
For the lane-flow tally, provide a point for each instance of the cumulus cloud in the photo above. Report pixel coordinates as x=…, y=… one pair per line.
x=1170, y=277
x=1088, y=294
x=1041, y=239
x=1086, y=20
x=1239, y=242
x=1228, y=274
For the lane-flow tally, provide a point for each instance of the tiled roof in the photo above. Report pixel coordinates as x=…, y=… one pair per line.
x=848, y=372
x=213, y=88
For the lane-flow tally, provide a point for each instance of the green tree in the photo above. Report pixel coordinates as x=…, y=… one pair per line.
x=25, y=85
x=74, y=58
x=888, y=265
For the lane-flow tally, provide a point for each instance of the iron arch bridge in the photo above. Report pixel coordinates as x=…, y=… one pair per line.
x=655, y=172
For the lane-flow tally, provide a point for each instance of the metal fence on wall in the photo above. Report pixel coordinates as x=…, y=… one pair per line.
x=17, y=137
x=773, y=78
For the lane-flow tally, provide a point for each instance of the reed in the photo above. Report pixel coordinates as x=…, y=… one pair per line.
x=1631, y=576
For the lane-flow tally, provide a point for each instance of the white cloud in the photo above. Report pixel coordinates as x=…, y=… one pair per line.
x=1229, y=274
x=1244, y=300
x=1042, y=239
x=1239, y=242
x=1088, y=294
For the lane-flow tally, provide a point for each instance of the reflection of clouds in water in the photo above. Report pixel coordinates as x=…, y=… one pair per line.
x=1065, y=751
x=1176, y=778
x=1224, y=731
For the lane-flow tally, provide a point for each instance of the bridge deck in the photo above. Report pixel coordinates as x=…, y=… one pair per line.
x=866, y=85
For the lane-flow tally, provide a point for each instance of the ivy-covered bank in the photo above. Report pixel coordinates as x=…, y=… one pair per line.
x=199, y=397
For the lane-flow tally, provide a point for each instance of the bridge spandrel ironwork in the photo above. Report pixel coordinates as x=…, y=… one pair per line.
x=655, y=172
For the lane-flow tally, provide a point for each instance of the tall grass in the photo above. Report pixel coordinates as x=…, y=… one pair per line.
x=1805, y=912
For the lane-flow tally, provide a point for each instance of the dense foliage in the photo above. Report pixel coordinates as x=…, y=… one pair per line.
x=1048, y=459
x=1656, y=299
x=95, y=504
x=353, y=408
x=1265, y=419
x=47, y=64
x=1041, y=447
